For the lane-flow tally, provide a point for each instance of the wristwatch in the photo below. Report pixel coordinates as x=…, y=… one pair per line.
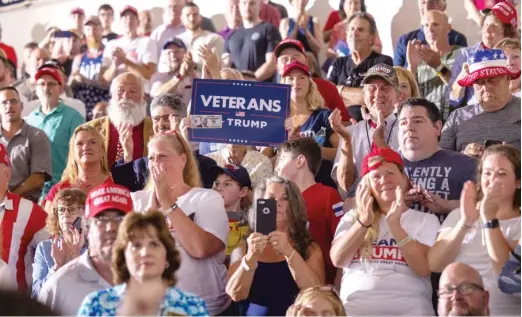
x=442, y=69
x=492, y=224
x=171, y=209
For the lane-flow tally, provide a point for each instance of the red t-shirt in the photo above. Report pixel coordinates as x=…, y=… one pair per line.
x=332, y=99
x=324, y=208
x=64, y=185
x=114, y=143
x=333, y=19
x=9, y=53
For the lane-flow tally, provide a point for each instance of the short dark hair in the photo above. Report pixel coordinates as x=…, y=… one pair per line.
x=342, y=14
x=106, y=7
x=307, y=147
x=10, y=88
x=431, y=109
x=190, y=5
x=367, y=17
x=31, y=45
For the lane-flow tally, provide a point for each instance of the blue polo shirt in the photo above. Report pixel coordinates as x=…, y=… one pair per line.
x=454, y=38
x=59, y=125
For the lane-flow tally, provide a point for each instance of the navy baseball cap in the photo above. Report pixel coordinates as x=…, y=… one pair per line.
x=176, y=41
x=237, y=172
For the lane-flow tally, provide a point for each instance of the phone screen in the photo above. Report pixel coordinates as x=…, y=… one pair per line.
x=77, y=224
x=489, y=143
x=266, y=214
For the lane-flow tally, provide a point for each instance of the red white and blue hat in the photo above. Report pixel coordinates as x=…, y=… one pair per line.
x=486, y=64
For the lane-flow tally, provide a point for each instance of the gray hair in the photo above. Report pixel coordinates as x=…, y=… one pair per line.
x=172, y=101
x=364, y=16
x=126, y=75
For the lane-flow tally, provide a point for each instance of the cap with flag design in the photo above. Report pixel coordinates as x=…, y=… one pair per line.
x=382, y=71
x=107, y=197
x=379, y=156
x=506, y=13
x=487, y=63
x=4, y=156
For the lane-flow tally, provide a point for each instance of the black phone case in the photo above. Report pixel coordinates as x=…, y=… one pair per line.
x=77, y=224
x=266, y=214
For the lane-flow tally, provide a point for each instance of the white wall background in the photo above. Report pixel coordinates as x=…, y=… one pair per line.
x=394, y=17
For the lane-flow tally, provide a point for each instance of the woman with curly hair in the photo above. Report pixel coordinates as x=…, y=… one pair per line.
x=268, y=271
x=144, y=258
x=67, y=242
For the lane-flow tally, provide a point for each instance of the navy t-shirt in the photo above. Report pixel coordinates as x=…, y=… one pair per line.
x=318, y=127
x=444, y=174
x=247, y=47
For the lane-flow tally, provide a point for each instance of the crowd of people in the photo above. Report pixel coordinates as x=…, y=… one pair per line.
x=398, y=191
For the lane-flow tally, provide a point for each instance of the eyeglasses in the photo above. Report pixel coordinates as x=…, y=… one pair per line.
x=463, y=289
x=13, y=101
x=166, y=117
x=73, y=211
x=104, y=220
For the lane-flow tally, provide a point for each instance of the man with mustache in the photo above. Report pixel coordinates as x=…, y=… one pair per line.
x=65, y=290
x=126, y=129
x=56, y=119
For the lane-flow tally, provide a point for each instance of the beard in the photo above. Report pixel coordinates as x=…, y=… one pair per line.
x=126, y=111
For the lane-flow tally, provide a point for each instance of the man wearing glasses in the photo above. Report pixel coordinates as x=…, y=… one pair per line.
x=167, y=113
x=28, y=147
x=64, y=291
x=57, y=120
x=461, y=292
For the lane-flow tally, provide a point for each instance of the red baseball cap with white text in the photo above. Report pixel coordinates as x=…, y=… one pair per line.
x=108, y=197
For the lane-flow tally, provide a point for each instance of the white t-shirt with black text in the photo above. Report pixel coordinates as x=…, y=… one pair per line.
x=206, y=278
x=384, y=284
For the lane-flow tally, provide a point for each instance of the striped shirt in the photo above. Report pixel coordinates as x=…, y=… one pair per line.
x=22, y=222
x=431, y=85
x=471, y=124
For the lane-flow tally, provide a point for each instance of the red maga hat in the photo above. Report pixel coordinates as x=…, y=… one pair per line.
x=286, y=43
x=379, y=156
x=53, y=72
x=108, y=197
x=296, y=65
x=506, y=13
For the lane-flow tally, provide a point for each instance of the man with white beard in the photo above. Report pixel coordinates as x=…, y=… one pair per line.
x=126, y=122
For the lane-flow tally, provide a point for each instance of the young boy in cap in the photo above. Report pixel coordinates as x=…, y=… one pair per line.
x=233, y=183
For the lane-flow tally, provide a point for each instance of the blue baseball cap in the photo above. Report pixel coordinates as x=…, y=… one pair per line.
x=237, y=172
x=176, y=41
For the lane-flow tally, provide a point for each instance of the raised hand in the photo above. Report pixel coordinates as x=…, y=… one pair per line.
x=474, y=150
x=412, y=53
x=490, y=203
x=73, y=246
x=398, y=207
x=335, y=120
x=468, y=204
x=58, y=254
x=378, y=134
x=294, y=131
x=143, y=299
x=429, y=56
x=184, y=126
x=279, y=242
x=125, y=138
x=366, y=215
x=256, y=244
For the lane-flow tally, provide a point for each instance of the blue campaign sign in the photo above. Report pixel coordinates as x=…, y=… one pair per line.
x=239, y=112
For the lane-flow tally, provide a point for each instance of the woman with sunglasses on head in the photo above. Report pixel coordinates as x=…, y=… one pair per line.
x=86, y=167
x=68, y=240
x=486, y=227
x=382, y=245
x=317, y=301
x=196, y=218
x=144, y=265
x=267, y=272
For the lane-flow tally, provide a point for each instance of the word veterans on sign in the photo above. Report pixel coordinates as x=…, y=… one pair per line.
x=226, y=111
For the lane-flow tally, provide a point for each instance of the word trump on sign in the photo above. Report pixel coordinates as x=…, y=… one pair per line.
x=249, y=113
